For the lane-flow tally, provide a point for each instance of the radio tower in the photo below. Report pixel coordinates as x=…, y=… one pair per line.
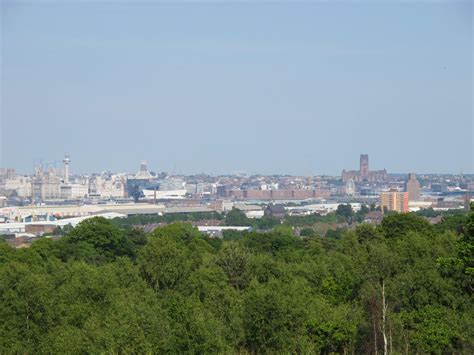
x=66, y=162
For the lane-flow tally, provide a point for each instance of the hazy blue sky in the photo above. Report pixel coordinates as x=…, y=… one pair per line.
x=288, y=87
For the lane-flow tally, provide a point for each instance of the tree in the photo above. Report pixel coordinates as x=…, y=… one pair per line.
x=263, y=268
x=332, y=328
x=184, y=232
x=164, y=263
x=211, y=286
x=398, y=224
x=194, y=328
x=360, y=215
x=97, y=240
x=232, y=234
x=266, y=222
x=233, y=259
x=136, y=239
x=402, y=287
x=271, y=242
x=307, y=232
x=364, y=209
x=382, y=265
x=429, y=329
x=57, y=231
x=462, y=265
x=274, y=317
x=27, y=309
x=455, y=222
x=188, y=239
x=366, y=233
x=236, y=217
x=345, y=210
x=466, y=253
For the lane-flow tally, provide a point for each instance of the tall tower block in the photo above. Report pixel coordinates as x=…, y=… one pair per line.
x=66, y=162
x=364, y=167
x=412, y=186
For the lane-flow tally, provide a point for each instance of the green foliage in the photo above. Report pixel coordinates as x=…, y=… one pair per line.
x=360, y=215
x=194, y=328
x=211, y=286
x=236, y=217
x=334, y=233
x=366, y=232
x=232, y=234
x=455, y=222
x=364, y=209
x=307, y=232
x=311, y=219
x=345, y=211
x=274, y=316
x=96, y=240
x=105, y=289
x=140, y=220
x=270, y=242
x=180, y=231
x=430, y=212
x=432, y=330
x=466, y=254
x=164, y=263
x=266, y=222
x=398, y=224
x=233, y=260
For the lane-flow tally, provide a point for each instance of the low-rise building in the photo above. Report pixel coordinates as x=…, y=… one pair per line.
x=74, y=191
x=275, y=211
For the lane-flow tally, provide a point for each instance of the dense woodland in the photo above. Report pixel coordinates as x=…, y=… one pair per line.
x=402, y=287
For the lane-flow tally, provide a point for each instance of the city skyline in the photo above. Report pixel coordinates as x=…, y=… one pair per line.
x=262, y=88
x=58, y=165
x=236, y=177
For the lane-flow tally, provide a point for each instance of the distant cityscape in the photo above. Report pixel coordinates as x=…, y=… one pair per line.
x=52, y=194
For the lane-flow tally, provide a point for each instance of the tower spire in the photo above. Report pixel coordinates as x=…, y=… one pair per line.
x=66, y=162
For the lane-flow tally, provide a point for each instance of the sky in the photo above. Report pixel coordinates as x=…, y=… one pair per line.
x=257, y=86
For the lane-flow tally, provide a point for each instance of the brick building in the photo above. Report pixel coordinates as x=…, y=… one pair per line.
x=412, y=186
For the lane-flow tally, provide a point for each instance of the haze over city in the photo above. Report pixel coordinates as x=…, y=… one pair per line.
x=236, y=177
x=219, y=87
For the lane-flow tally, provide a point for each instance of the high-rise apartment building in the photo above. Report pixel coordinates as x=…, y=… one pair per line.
x=412, y=186
x=394, y=201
